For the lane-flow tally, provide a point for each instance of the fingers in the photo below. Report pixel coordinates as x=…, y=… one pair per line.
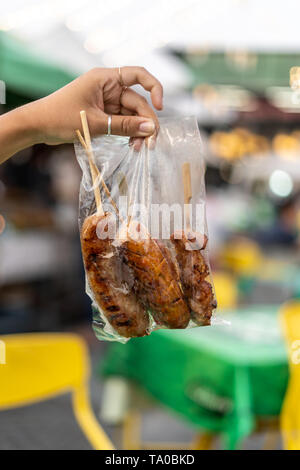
x=140, y=76
x=126, y=112
x=138, y=105
x=135, y=142
x=132, y=126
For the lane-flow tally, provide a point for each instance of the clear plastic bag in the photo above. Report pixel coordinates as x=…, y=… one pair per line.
x=146, y=255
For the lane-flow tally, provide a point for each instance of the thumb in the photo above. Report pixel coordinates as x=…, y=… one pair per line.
x=132, y=126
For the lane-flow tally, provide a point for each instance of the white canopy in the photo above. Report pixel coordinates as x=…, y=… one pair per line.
x=82, y=34
x=131, y=27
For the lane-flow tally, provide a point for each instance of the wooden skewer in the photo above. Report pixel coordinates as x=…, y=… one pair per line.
x=187, y=191
x=96, y=175
x=122, y=182
x=123, y=191
x=81, y=139
x=86, y=143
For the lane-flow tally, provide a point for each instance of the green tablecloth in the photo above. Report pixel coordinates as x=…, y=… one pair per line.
x=219, y=378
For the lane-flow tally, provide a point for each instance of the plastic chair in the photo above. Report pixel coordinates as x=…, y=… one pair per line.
x=290, y=413
x=41, y=366
x=226, y=290
x=242, y=256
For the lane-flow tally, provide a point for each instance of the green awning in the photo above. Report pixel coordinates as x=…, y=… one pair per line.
x=256, y=73
x=27, y=74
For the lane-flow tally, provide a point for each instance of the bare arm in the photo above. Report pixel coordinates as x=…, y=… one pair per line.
x=17, y=131
x=53, y=119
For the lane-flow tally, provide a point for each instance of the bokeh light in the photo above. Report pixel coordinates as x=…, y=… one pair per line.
x=281, y=183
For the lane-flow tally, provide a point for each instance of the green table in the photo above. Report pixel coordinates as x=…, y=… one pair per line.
x=219, y=378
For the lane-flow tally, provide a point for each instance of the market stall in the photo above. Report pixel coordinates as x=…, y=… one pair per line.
x=220, y=379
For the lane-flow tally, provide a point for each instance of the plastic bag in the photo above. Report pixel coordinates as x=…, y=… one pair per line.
x=146, y=255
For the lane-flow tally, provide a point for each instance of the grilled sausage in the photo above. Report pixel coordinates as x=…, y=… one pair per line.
x=193, y=272
x=155, y=278
x=105, y=276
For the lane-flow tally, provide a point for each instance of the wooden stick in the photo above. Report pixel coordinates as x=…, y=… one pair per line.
x=81, y=139
x=123, y=190
x=122, y=183
x=90, y=155
x=187, y=191
x=91, y=158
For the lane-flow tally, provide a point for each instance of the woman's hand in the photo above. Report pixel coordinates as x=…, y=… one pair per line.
x=100, y=92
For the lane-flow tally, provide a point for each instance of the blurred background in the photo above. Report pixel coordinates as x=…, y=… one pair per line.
x=235, y=65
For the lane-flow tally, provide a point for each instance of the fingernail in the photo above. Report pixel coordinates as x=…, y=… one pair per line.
x=147, y=127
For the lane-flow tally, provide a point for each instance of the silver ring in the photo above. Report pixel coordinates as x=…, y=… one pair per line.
x=109, y=125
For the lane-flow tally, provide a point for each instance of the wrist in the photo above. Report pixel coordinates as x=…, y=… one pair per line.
x=28, y=123
x=19, y=129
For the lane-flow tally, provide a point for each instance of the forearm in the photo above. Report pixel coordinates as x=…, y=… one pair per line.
x=18, y=130
x=100, y=92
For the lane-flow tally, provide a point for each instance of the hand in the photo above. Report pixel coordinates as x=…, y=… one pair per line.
x=100, y=92
x=54, y=119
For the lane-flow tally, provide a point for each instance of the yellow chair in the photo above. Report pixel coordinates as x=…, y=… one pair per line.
x=242, y=256
x=41, y=366
x=226, y=290
x=290, y=413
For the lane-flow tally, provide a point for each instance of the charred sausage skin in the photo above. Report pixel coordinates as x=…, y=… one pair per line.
x=193, y=272
x=156, y=279
x=105, y=277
